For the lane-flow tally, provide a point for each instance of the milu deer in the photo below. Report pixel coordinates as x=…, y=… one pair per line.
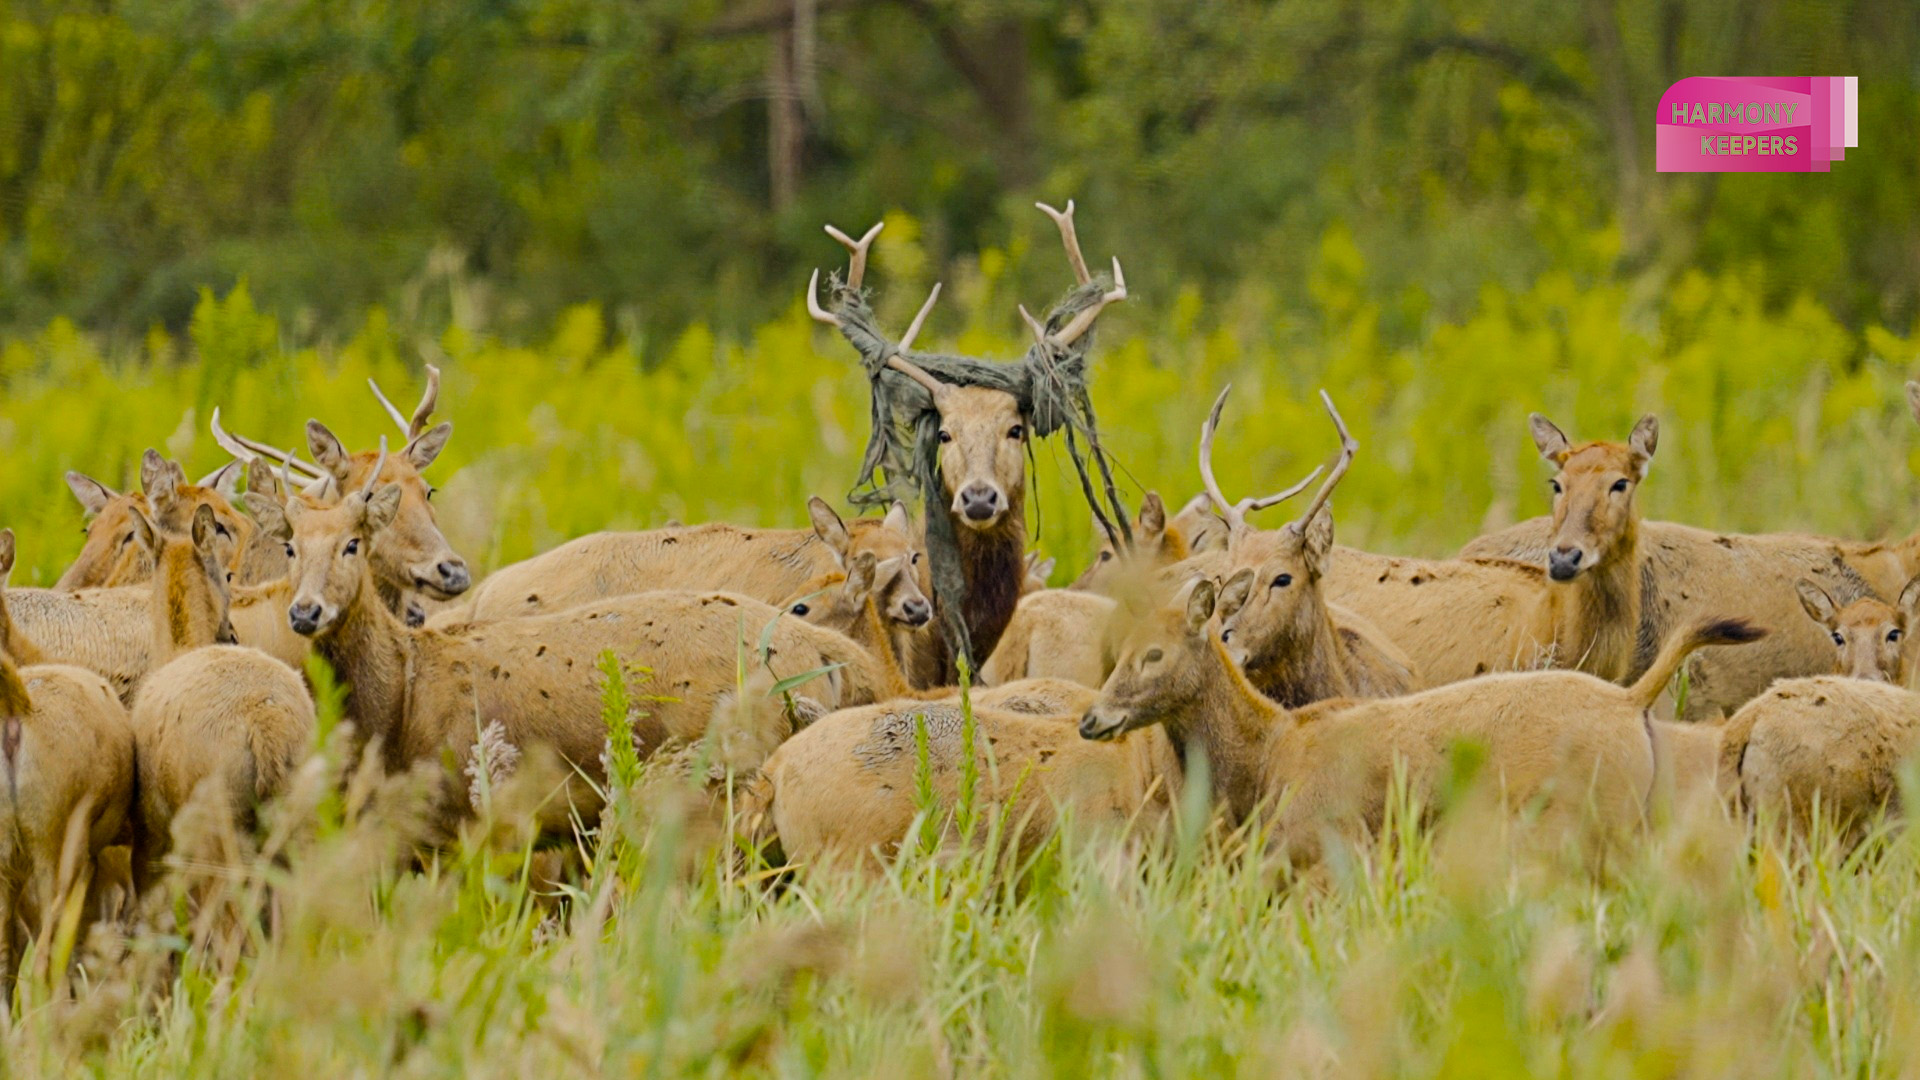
x=124, y=633
x=66, y=748
x=981, y=460
x=1274, y=617
x=416, y=563
x=111, y=557
x=1581, y=610
x=426, y=692
x=1869, y=634
x=1568, y=738
x=1689, y=571
x=770, y=565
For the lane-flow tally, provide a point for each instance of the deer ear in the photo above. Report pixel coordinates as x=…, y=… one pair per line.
x=1815, y=600
x=424, y=450
x=157, y=480
x=327, y=451
x=1042, y=569
x=1200, y=604
x=1153, y=516
x=202, y=530
x=1644, y=440
x=829, y=528
x=1235, y=593
x=382, y=506
x=93, y=494
x=269, y=515
x=860, y=573
x=143, y=531
x=898, y=519
x=260, y=477
x=225, y=480
x=1551, y=440
x=1319, y=538
x=1910, y=600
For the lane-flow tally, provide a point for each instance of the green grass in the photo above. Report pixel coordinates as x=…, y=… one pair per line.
x=1473, y=949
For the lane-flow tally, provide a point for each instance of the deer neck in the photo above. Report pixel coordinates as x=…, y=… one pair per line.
x=372, y=652
x=1233, y=723
x=187, y=610
x=877, y=637
x=993, y=563
x=1305, y=665
x=1594, y=620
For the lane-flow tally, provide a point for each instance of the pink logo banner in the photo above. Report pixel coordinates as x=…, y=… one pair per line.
x=1802, y=124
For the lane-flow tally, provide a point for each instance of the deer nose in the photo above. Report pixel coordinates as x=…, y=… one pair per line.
x=916, y=611
x=454, y=576
x=304, y=617
x=1563, y=563
x=979, y=501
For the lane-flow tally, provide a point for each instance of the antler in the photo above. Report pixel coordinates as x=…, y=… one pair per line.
x=247, y=449
x=856, y=272
x=1235, y=515
x=421, y=413
x=373, y=478
x=1080, y=323
x=1348, y=446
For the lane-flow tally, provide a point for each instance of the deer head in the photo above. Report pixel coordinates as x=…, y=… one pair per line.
x=1162, y=672
x=1869, y=635
x=332, y=550
x=1157, y=542
x=1594, y=510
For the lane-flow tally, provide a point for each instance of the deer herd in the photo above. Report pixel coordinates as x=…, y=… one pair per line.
x=169, y=663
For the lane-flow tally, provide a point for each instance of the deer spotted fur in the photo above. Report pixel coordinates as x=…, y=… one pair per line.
x=769, y=565
x=66, y=749
x=224, y=723
x=1578, y=608
x=1564, y=736
x=1837, y=738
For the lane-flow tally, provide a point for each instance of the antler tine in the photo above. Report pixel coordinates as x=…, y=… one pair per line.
x=918, y=374
x=373, y=478
x=1235, y=518
x=429, y=399
x=1278, y=497
x=1064, y=219
x=392, y=412
x=247, y=449
x=1033, y=324
x=1071, y=332
x=286, y=481
x=814, y=309
x=1348, y=446
x=857, y=266
x=913, y=328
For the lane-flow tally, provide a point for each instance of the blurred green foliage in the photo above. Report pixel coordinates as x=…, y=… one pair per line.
x=491, y=163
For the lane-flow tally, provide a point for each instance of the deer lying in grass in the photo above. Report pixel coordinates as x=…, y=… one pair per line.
x=427, y=693
x=982, y=462
x=124, y=633
x=1578, y=742
x=112, y=556
x=223, y=723
x=416, y=561
x=1465, y=617
x=1274, y=617
x=770, y=565
x=67, y=750
x=1689, y=571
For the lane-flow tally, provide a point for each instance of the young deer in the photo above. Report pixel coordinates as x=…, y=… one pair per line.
x=111, y=556
x=1273, y=612
x=1869, y=634
x=425, y=691
x=982, y=460
x=1690, y=571
x=1465, y=617
x=769, y=565
x=1563, y=736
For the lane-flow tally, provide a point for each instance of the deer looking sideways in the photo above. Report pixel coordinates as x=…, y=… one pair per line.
x=1460, y=618
x=982, y=459
x=112, y=556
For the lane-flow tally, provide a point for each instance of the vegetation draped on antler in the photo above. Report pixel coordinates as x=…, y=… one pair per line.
x=1049, y=382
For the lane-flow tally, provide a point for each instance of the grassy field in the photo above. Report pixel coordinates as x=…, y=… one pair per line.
x=1473, y=949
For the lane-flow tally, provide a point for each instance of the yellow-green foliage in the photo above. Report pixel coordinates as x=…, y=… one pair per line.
x=1769, y=420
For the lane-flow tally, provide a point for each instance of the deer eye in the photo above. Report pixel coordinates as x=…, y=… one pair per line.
x=1555, y=484
x=916, y=558
x=1106, y=556
x=1016, y=431
x=800, y=610
x=1153, y=656
x=289, y=551
x=1620, y=485
x=1893, y=635
x=1838, y=640
x=222, y=530
x=353, y=546
x=431, y=492
x=1226, y=635
x=945, y=435
x=1283, y=581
